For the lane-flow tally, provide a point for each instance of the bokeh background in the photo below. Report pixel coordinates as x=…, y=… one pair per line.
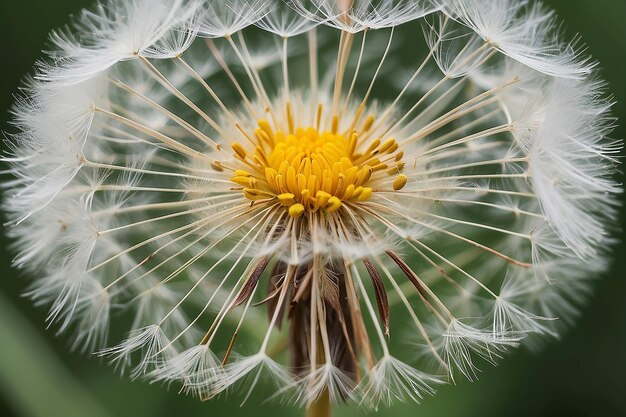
x=583, y=374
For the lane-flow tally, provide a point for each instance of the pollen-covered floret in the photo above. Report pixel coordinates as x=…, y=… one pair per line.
x=307, y=170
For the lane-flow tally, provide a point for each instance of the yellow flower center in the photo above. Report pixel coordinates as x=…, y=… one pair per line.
x=310, y=170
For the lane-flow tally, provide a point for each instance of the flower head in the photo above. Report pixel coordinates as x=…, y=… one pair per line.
x=402, y=208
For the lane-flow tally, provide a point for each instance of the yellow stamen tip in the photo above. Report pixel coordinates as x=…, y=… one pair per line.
x=390, y=146
x=334, y=204
x=296, y=210
x=242, y=173
x=366, y=194
x=265, y=126
x=244, y=181
x=286, y=199
x=239, y=150
x=400, y=182
x=369, y=122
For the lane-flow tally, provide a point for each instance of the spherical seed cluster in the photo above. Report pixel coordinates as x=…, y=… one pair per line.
x=307, y=170
x=369, y=213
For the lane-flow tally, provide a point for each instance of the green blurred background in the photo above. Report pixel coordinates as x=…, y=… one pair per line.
x=583, y=374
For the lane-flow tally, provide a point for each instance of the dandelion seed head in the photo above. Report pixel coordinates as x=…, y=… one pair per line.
x=294, y=191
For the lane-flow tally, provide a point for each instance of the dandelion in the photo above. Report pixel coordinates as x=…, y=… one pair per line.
x=357, y=200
